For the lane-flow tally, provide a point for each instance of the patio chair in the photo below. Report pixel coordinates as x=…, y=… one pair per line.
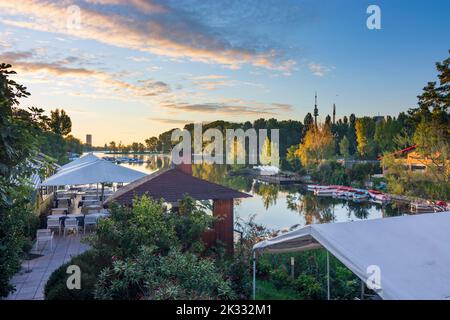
x=89, y=220
x=53, y=223
x=70, y=224
x=44, y=235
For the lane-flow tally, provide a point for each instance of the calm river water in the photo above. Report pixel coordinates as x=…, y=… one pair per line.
x=273, y=206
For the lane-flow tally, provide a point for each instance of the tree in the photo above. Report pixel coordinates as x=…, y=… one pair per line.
x=434, y=101
x=351, y=134
x=365, y=130
x=19, y=132
x=135, y=147
x=73, y=144
x=293, y=159
x=432, y=140
x=344, y=147
x=385, y=132
x=328, y=120
x=307, y=122
x=317, y=145
x=112, y=146
x=151, y=144
x=60, y=122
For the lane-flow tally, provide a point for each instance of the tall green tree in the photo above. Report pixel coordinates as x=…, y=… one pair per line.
x=19, y=130
x=60, y=123
x=365, y=130
x=344, y=147
x=351, y=134
x=151, y=143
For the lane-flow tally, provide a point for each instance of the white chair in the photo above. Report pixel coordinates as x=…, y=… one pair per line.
x=54, y=223
x=89, y=220
x=70, y=224
x=44, y=235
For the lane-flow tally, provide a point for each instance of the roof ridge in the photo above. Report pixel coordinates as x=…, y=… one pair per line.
x=135, y=184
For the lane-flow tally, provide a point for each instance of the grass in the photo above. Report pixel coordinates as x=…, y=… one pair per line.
x=265, y=290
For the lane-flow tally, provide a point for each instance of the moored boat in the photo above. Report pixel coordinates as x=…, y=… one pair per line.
x=325, y=192
x=421, y=207
x=379, y=196
x=343, y=192
x=359, y=195
x=312, y=187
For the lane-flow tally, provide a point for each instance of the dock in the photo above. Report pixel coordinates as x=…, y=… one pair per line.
x=279, y=179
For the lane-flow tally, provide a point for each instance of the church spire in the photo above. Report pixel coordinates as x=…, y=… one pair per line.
x=316, y=110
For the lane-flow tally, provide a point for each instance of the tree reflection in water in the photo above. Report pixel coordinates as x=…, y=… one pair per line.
x=314, y=209
x=268, y=193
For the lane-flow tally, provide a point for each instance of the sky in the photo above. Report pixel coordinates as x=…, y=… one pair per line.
x=128, y=70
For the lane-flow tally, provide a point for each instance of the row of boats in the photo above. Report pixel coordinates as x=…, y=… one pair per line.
x=349, y=193
x=362, y=195
x=123, y=159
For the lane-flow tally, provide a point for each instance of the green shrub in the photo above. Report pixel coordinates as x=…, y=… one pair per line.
x=176, y=275
x=263, y=268
x=280, y=278
x=308, y=287
x=90, y=266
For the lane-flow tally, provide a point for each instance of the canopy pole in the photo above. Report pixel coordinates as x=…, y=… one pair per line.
x=254, y=275
x=328, y=276
x=362, y=289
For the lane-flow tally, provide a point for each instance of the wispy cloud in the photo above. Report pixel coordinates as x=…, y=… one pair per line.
x=213, y=81
x=171, y=121
x=318, y=69
x=156, y=28
x=224, y=108
x=25, y=62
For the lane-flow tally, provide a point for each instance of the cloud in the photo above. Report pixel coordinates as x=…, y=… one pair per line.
x=153, y=28
x=138, y=59
x=252, y=109
x=24, y=62
x=213, y=81
x=171, y=121
x=319, y=69
x=143, y=5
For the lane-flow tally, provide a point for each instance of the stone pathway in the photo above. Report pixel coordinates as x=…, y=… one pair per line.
x=30, y=285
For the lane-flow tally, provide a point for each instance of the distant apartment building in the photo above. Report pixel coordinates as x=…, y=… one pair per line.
x=89, y=140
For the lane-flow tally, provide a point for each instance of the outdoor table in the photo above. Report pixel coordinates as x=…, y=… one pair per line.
x=94, y=207
x=90, y=197
x=56, y=210
x=90, y=201
x=63, y=217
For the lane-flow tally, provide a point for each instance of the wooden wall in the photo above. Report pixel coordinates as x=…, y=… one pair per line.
x=223, y=209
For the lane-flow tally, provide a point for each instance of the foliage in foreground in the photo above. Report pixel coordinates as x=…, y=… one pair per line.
x=146, y=252
x=176, y=275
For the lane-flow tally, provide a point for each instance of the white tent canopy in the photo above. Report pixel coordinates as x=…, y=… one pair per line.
x=412, y=252
x=88, y=158
x=99, y=171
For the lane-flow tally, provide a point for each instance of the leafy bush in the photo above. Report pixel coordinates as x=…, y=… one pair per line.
x=308, y=287
x=146, y=252
x=17, y=227
x=176, y=275
x=280, y=278
x=90, y=266
x=330, y=172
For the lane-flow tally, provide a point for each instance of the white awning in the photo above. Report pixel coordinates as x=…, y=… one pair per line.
x=412, y=252
x=88, y=158
x=99, y=171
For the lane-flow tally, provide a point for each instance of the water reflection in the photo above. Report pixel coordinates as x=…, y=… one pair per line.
x=274, y=206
